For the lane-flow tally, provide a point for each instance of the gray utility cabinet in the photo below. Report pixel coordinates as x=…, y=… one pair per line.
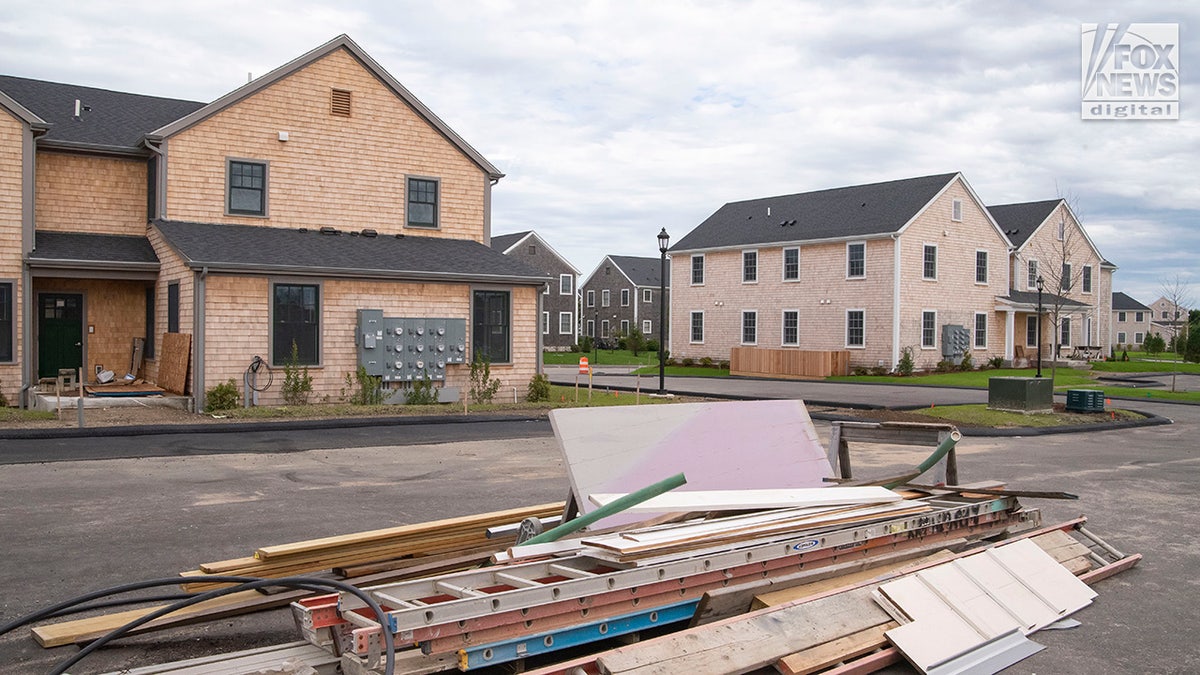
x=405, y=349
x=956, y=340
x=1021, y=394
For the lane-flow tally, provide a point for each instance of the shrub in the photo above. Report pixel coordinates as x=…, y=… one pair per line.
x=967, y=363
x=879, y=370
x=996, y=362
x=297, y=383
x=859, y=370
x=723, y=365
x=706, y=361
x=483, y=387
x=1125, y=355
x=671, y=362
x=421, y=393
x=652, y=345
x=1154, y=344
x=364, y=388
x=905, y=366
x=635, y=341
x=945, y=366
x=688, y=362
x=224, y=396
x=539, y=389
x=1192, y=353
x=3, y=400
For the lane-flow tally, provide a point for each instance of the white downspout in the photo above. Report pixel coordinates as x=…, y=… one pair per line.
x=895, y=300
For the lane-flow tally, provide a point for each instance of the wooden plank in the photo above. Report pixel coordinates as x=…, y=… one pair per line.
x=621, y=449
x=748, y=643
x=174, y=357
x=888, y=567
x=762, y=498
x=836, y=651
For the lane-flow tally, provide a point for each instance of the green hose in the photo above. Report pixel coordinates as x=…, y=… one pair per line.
x=941, y=451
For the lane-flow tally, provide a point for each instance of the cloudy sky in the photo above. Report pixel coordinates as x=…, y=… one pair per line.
x=614, y=119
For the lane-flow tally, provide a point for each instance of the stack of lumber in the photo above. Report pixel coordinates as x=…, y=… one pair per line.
x=371, y=551
x=363, y=558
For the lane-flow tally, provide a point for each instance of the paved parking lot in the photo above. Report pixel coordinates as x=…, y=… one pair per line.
x=71, y=527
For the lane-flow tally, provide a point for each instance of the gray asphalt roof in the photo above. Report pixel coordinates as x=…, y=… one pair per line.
x=111, y=119
x=1123, y=302
x=1048, y=299
x=91, y=247
x=341, y=252
x=1020, y=220
x=642, y=271
x=855, y=211
x=503, y=241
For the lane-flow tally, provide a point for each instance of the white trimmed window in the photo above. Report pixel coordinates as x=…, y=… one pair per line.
x=1121, y=338
x=981, y=330
x=698, y=270
x=1062, y=228
x=545, y=323
x=1065, y=332
x=1031, y=330
x=566, y=323
x=604, y=328
x=624, y=326
x=791, y=327
x=591, y=298
x=1121, y=318
x=981, y=267
x=591, y=328
x=856, y=328
x=929, y=329
x=856, y=260
x=749, y=267
x=956, y=210
x=749, y=327
x=1031, y=267
x=1137, y=338
x=1139, y=317
x=929, y=263
x=605, y=297
x=647, y=295
x=647, y=327
x=791, y=264
x=1066, y=276
x=566, y=284
x=697, y=336
x=1086, y=279
x=624, y=297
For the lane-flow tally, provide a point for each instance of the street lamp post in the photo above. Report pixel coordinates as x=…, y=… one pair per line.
x=664, y=241
x=1041, y=284
x=596, y=337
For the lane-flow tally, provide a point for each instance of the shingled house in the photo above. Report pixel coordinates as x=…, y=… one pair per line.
x=1131, y=321
x=560, y=298
x=623, y=292
x=874, y=269
x=260, y=220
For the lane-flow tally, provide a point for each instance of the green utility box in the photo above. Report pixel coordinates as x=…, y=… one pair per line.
x=1021, y=394
x=1085, y=400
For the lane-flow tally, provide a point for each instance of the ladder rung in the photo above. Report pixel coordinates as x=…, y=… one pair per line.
x=393, y=601
x=571, y=572
x=1100, y=542
x=513, y=580
x=460, y=591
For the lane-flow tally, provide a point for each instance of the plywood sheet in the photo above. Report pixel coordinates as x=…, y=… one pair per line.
x=738, y=500
x=173, y=360
x=735, y=445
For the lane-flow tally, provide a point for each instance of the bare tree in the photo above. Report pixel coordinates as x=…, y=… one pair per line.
x=1177, y=291
x=1062, y=274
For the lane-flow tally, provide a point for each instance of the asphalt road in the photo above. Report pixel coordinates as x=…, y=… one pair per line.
x=72, y=526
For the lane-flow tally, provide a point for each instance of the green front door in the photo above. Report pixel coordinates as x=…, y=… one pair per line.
x=60, y=332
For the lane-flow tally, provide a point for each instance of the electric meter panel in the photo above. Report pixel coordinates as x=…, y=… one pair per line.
x=409, y=349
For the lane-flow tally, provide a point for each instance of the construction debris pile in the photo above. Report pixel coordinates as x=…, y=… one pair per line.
x=715, y=543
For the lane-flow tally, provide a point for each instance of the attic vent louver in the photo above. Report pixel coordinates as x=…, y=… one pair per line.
x=339, y=102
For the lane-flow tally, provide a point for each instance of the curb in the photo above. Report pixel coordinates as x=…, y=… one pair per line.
x=283, y=425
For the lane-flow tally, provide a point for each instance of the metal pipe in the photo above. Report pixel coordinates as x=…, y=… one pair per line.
x=941, y=451
x=616, y=506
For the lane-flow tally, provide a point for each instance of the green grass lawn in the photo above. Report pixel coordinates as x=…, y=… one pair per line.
x=1064, y=377
x=1132, y=366
x=18, y=415
x=978, y=415
x=613, y=357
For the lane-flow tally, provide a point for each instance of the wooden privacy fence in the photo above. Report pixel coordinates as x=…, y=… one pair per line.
x=798, y=363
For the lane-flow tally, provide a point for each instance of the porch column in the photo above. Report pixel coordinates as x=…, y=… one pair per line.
x=1010, y=321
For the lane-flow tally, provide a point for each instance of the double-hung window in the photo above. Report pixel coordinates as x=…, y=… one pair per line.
x=749, y=267
x=566, y=284
x=856, y=260
x=422, y=202
x=791, y=327
x=749, y=327
x=1121, y=318
x=856, y=328
x=247, y=188
x=491, y=323
x=1086, y=279
x=1031, y=276
x=791, y=264
x=929, y=263
x=1066, y=276
x=697, y=323
x=296, y=320
x=647, y=295
x=981, y=330
x=545, y=323
x=698, y=270
x=981, y=267
x=605, y=297
x=566, y=323
x=647, y=327
x=928, y=329
x=1031, y=330
x=624, y=297
x=591, y=298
